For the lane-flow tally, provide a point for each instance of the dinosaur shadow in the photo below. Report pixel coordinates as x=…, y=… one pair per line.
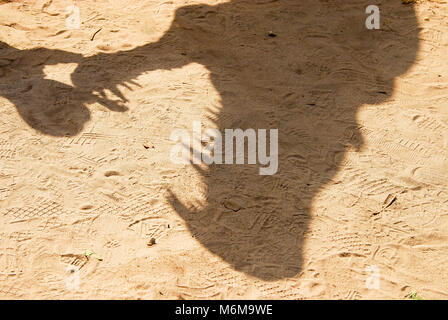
x=307, y=78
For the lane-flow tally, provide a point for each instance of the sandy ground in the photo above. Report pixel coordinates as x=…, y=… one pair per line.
x=360, y=194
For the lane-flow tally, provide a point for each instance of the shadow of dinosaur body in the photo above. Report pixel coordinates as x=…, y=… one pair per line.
x=308, y=79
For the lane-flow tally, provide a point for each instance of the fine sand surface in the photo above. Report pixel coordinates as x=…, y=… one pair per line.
x=86, y=118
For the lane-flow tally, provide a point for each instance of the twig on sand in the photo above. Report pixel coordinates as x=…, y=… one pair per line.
x=93, y=37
